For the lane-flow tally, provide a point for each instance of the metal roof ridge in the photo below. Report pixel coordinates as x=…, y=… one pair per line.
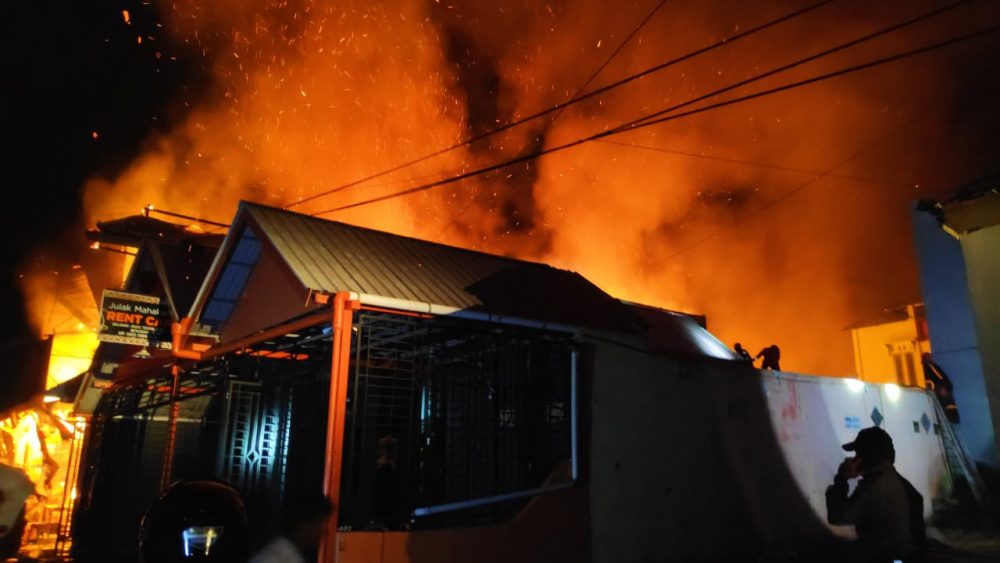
x=251, y=204
x=656, y=308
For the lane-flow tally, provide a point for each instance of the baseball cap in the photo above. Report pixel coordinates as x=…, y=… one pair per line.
x=871, y=440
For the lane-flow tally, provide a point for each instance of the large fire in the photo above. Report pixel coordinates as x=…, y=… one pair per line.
x=752, y=215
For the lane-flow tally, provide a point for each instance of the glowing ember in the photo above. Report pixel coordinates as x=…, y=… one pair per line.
x=751, y=214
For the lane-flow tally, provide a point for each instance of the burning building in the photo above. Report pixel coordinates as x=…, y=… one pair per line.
x=752, y=212
x=458, y=405
x=769, y=198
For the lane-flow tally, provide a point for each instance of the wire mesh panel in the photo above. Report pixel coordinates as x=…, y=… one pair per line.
x=380, y=432
x=443, y=410
x=495, y=418
x=253, y=418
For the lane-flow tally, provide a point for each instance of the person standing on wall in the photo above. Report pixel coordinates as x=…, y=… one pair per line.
x=743, y=353
x=772, y=357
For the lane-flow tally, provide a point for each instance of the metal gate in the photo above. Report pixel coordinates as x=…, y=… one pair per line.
x=251, y=418
x=255, y=445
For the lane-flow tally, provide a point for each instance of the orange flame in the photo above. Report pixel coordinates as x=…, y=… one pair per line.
x=730, y=221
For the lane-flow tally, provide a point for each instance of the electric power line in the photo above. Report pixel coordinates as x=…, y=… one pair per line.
x=610, y=58
x=578, y=91
x=802, y=61
x=149, y=209
x=633, y=126
x=893, y=58
x=808, y=183
x=572, y=101
x=753, y=163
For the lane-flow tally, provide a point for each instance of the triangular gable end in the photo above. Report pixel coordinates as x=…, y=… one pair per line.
x=389, y=270
x=249, y=286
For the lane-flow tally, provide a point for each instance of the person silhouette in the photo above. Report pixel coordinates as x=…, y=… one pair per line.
x=772, y=357
x=886, y=510
x=742, y=352
x=304, y=529
x=941, y=384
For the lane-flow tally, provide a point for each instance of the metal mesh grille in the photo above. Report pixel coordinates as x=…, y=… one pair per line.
x=235, y=420
x=381, y=413
x=441, y=410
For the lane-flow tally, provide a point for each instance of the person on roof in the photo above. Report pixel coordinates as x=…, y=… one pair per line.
x=886, y=510
x=743, y=353
x=772, y=357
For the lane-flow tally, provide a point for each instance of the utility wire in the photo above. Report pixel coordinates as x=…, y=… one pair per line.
x=808, y=183
x=643, y=124
x=577, y=93
x=633, y=126
x=149, y=209
x=812, y=182
x=755, y=164
x=800, y=62
x=572, y=101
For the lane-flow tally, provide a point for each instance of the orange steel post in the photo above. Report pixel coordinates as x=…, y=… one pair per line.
x=168, y=457
x=343, y=320
x=179, y=332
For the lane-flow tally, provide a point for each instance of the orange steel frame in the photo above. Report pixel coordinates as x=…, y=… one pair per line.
x=180, y=332
x=343, y=319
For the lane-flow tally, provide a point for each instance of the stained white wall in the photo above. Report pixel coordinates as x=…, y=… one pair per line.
x=704, y=459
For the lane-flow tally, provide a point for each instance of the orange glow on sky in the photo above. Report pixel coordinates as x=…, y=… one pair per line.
x=771, y=217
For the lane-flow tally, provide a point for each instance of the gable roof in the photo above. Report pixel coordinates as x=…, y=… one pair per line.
x=329, y=257
x=171, y=263
x=134, y=229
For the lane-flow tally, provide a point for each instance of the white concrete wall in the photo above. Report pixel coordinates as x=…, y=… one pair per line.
x=704, y=459
x=814, y=416
x=665, y=482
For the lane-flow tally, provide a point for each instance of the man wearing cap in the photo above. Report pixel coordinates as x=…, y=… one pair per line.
x=885, y=509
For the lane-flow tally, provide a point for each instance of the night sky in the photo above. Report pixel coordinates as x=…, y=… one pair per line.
x=86, y=88
x=72, y=70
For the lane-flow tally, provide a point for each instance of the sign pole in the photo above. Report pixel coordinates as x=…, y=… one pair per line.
x=168, y=457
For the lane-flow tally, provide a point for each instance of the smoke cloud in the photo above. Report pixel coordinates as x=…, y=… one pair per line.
x=783, y=219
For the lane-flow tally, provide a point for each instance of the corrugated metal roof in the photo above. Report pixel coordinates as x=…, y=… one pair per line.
x=677, y=333
x=328, y=256
x=331, y=256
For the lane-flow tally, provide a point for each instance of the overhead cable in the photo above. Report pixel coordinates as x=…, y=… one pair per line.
x=570, y=102
x=643, y=123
